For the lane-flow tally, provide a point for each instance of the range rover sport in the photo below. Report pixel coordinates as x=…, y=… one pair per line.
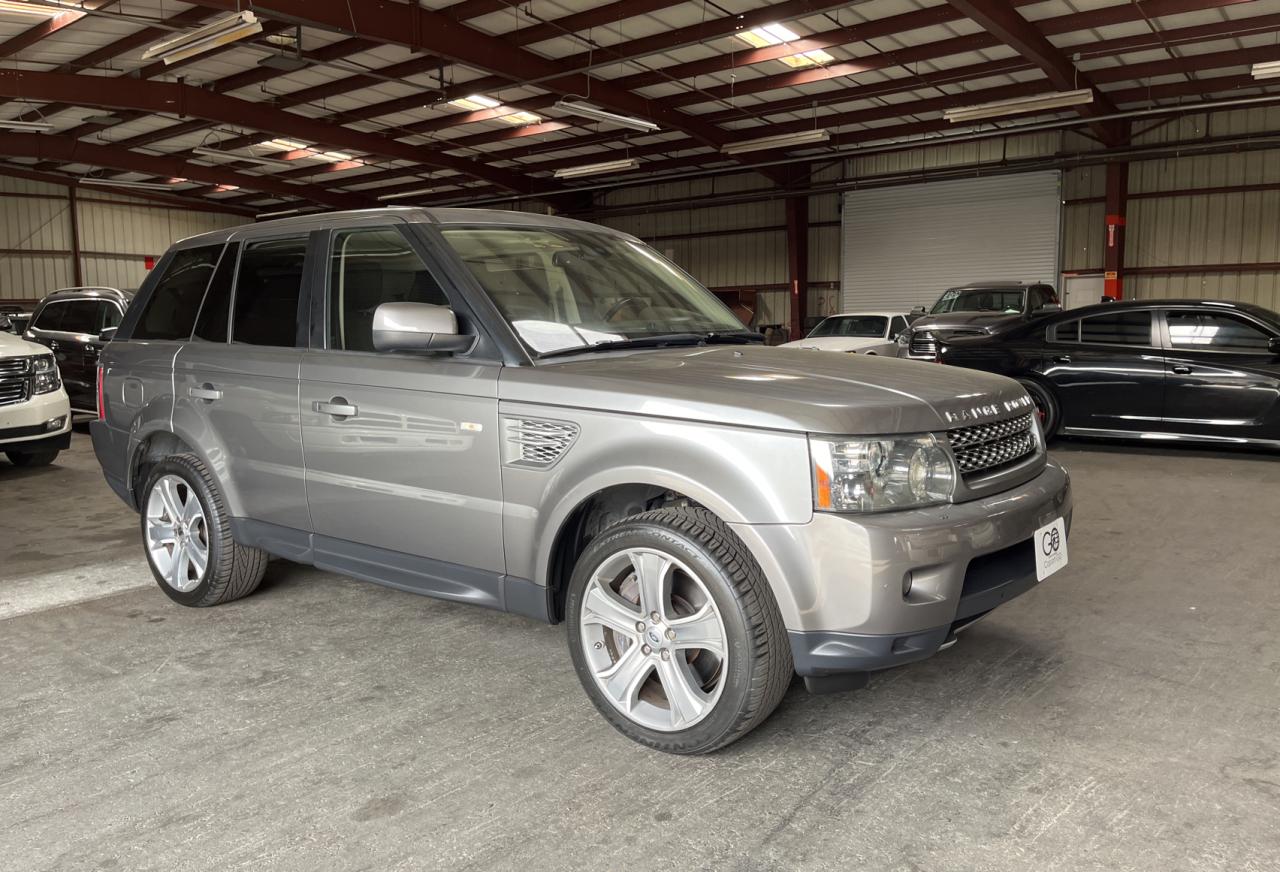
x=546, y=417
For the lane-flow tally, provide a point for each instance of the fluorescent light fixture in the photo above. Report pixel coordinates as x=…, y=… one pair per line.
x=285, y=145
x=479, y=102
x=782, y=140
x=121, y=183
x=280, y=144
x=278, y=214
x=584, y=110
x=228, y=29
x=612, y=166
x=17, y=6
x=1020, y=105
x=26, y=126
x=1268, y=70
x=248, y=158
x=403, y=194
x=777, y=34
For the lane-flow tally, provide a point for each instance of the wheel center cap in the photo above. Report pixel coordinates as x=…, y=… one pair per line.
x=654, y=636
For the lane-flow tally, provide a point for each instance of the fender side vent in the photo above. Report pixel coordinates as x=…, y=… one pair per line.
x=532, y=443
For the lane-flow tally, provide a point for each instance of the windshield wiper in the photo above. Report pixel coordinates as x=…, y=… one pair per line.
x=664, y=340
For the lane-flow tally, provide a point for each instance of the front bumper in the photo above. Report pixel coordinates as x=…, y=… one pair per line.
x=23, y=425
x=840, y=578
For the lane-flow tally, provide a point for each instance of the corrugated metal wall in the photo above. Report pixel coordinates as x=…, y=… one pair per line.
x=116, y=235
x=744, y=245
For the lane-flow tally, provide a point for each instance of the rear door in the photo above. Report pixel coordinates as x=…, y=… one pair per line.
x=1107, y=370
x=236, y=381
x=401, y=450
x=1222, y=379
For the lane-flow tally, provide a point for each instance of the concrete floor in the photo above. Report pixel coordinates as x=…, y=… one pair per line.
x=1126, y=715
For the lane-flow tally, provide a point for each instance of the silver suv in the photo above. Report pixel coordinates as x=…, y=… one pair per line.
x=546, y=417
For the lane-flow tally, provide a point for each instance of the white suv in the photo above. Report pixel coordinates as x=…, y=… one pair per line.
x=35, y=414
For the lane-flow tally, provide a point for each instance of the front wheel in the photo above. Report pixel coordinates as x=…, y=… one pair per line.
x=674, y=632
x=1047, y=407
x=32, y=458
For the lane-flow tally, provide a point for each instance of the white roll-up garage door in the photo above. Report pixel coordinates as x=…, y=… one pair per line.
x=904, y=246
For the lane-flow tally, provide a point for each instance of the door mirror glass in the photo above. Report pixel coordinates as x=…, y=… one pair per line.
x=417, y=327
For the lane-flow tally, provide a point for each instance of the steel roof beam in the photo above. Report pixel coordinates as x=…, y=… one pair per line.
x=185, y=100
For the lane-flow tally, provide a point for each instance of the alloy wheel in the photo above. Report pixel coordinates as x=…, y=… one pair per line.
x=177, y=533
x=654, y=640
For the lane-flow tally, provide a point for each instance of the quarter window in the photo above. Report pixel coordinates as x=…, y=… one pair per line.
x=367, y=268
x=1215, y=332
x=267, y=290
x=1117, y=328
x=170, y=313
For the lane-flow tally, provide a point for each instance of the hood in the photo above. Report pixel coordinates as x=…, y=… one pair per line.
x=983, y=321
x=16, y=346
x=837, y=343
x=771, y=388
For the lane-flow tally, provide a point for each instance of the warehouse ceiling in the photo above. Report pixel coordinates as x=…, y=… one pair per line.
x=299, y=104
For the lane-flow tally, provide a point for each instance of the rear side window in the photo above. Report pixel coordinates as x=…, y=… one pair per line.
x=370, y=267
x=1117, y=328
x=80, y=316
x=1213, y=331
x=267, y=290
x=171, y=311
x=215, y=314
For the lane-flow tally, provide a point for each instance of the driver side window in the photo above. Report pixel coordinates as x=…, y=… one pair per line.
x=369, y=267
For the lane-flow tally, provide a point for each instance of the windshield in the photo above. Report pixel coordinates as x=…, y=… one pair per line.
x=979, y=300
x=871, y=326
x=564, y=288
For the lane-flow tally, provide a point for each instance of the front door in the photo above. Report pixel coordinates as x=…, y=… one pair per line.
x=1222, y=379
x=402, y=455
x=1107, y=371
x=66, y=327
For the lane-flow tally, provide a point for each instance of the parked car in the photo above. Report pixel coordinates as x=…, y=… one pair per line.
x=1193, y=370
x=35, y=417
x=547, y=417
x=70, y=323
x=974, y=310
x=864, y=333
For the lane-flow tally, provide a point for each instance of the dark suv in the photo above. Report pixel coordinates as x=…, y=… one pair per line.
x=69, y=323
x=974, y=310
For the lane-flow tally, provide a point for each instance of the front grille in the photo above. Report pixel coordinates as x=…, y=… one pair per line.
x=537, y=444
x=14, y=366
x=14, y=390
x=986, y=448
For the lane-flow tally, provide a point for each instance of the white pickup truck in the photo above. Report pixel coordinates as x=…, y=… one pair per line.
x=35, y=414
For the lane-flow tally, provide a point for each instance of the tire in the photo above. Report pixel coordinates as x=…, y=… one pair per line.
x=33, y=458
x=710, y=583
x=230, y=570
x=1047, y=406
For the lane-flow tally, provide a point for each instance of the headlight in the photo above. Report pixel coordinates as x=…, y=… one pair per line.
x=877, y=475
x=46, y=375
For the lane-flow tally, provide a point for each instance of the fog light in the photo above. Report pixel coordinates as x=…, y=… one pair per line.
x=906, y=585
x=55, y=423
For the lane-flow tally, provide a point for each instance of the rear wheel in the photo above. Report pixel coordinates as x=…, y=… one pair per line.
x=32, y=458
x=1047, y=408
x=674, y=632
x=187, y=534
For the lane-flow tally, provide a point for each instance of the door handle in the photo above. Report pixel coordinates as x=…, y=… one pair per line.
x=1182, y=370
x=205, y=392
x=1062, y=358
x=337, y=407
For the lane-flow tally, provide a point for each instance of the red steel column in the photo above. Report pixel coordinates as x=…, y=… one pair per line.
x=798, y=262
x=1113, y=257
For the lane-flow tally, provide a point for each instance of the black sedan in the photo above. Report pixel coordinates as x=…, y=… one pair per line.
x=1194, y=370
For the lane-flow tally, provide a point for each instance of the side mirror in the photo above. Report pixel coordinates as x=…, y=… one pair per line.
x=919, y=310
x=1274, y=345
x=417, y=327
x=5, y=324
x=1049, y=307
x=107, y=334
